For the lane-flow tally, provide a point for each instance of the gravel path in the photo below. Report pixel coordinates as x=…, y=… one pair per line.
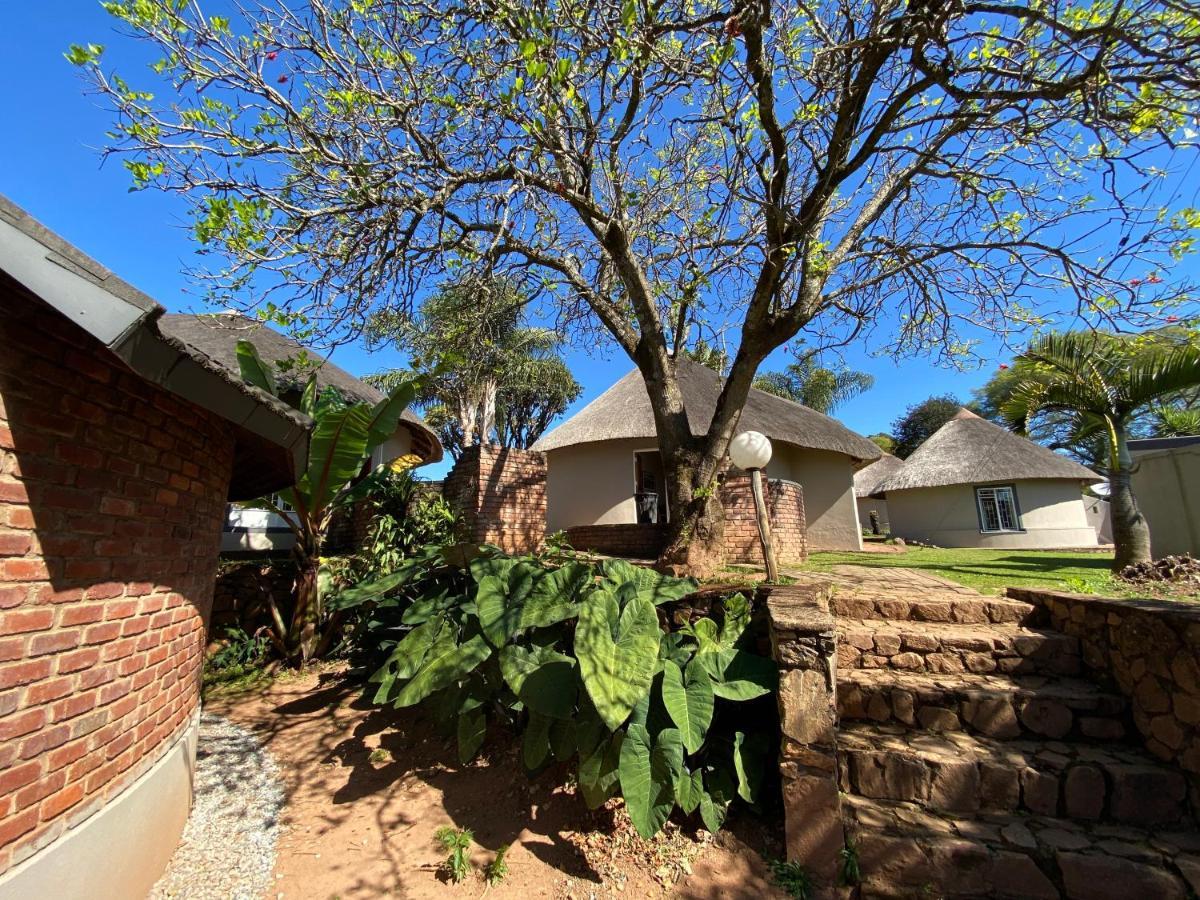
x=228, y=847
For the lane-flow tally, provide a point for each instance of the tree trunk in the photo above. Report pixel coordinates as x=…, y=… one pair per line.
x=1131, y=533
x=304, y=631
x=696, y=528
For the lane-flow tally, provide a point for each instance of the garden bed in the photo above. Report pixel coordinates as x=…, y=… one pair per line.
x=368, y=788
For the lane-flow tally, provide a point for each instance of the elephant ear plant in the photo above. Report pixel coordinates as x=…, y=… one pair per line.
x=601, y=665
x=337, y=476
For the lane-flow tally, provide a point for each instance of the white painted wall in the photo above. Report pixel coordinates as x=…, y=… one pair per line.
x=1167, y=486
x=1052, y=515
x=592, y=484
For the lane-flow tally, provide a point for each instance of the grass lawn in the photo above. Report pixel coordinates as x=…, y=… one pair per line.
x=991, y=571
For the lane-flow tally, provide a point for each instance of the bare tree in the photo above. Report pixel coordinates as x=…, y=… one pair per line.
x=650, y=165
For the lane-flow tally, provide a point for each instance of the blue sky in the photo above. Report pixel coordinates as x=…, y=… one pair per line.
x=50, y=164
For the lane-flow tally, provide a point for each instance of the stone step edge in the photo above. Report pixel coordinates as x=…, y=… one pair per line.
x=1017, y=856
x=1009, y=776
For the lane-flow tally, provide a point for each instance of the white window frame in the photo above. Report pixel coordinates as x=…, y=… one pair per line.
x=994, y=493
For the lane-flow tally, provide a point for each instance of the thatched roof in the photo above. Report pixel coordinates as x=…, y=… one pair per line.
x=971, y=450
x=217, y=336
x=623, y=411
x=868, y=479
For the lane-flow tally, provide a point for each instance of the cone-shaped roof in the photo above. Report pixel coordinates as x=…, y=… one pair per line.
x=867, y=480
x=624, y=411
x=971, y=450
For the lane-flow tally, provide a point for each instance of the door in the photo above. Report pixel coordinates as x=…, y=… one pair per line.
x=649, y=483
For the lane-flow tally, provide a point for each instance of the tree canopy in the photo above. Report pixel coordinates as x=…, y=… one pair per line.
x=920, y=171
x=920, y=421
x=817, y=387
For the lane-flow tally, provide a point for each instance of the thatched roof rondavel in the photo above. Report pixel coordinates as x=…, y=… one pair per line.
x=868, y=479
x=623, y=411
x=972, y=450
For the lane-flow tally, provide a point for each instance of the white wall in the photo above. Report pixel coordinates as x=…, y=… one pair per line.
x=1167, y=486
x=592, y=484
x=865, y=506
x=829, y=506
x=1052, y=516
x=399, y=444
x=1099, y=516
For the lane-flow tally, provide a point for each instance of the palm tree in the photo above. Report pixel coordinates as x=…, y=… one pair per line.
x=815, y=386
x=1105, y=381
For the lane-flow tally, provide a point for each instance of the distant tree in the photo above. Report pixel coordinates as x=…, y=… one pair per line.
x=1105, y=382
x=712, y=355
x=491, y=379
x=884, y=442
x=920, y=421
x=817, y=387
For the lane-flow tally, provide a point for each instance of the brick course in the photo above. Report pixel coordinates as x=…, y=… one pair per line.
x=112, y=495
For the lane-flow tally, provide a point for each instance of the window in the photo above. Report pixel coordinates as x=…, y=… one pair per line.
x=997, y=509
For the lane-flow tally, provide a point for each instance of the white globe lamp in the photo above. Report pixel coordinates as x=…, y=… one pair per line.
x=750, y=450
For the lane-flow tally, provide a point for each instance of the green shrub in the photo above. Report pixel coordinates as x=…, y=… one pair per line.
x=596, y=664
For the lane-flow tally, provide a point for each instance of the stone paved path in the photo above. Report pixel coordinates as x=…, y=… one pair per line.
x=977, y=760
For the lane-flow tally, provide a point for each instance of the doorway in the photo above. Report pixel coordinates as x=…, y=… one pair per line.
x=649, y=487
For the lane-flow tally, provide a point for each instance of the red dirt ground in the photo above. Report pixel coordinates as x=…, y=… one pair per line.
x=354, y=828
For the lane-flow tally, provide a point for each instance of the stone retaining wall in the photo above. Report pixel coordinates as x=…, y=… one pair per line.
x=803, y=643
x=1151, y=650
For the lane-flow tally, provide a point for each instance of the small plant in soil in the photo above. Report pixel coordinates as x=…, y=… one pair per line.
x=793, y=878
x=457, y=841
x=497, y=869
x=380, y=756
x=850, y=871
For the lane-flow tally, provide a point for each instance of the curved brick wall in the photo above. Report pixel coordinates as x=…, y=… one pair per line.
x=112, y=494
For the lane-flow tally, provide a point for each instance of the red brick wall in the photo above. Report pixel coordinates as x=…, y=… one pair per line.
x=785, y=509
x=112, y=495
x=643, y=541
x=500, y=497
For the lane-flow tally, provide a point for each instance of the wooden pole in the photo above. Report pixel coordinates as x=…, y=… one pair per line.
x=764, y=525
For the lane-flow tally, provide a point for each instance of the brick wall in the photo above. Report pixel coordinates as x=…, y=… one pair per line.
x=112, y=496
x=500, y=497
x=785, y=509
x=241, y=589
x=634, y=541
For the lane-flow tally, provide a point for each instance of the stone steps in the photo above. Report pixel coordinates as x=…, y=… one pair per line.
x=961, y=773
x=906, y=851
x=997, y=706
x=935, y=606
x=946, y=648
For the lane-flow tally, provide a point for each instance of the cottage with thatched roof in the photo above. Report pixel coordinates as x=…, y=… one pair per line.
x=604, y=468
x=976, y=484
x=867, y=494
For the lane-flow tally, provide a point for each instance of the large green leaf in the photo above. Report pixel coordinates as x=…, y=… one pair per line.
x=617, y=653
x=536, y=744
x=544, y=680
x=739, y=675
x=737, y=617
x=749, y=761
x=689, y=788
x=563, y=739
x=555, y=596
x=443, y=669
x=337, y=452
x=408, y=655
x=715, y=798
x=645, y=583
x=648, y=770
x=472, y=729
x=501, y=598
x=385, y=415
x=689, y=700
x=599, y=771
x=253, y=370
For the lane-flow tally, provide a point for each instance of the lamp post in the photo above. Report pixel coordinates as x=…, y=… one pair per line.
x=751, y=451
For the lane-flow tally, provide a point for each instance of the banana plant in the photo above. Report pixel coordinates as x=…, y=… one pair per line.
x=336, y=477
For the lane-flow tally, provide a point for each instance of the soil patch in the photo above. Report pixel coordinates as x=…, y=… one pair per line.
x=367, y=789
